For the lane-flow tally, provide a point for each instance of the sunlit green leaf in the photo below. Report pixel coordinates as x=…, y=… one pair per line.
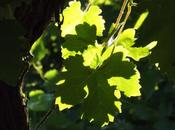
x=92, y=56
x=73, y=15
x=127, y=40
x=38, y=50
x=141, y=19
x=130, y=86
x=90, y=87
x=138, y=52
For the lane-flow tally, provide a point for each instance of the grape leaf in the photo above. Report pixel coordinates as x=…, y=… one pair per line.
x=127, y=40
x=94, y=75
x=73, y=15
x=89, y=87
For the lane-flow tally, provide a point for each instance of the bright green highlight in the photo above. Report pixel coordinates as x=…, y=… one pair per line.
x=38, y=50
x=127, y=41
x=73, y=15
x=141, y=19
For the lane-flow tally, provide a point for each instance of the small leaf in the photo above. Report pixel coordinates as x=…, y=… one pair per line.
x=39, y=101
x=151, y=45
x=35, y=92
x=51, y=78
x=141, y=19
x=38, y=50
x=127, y=38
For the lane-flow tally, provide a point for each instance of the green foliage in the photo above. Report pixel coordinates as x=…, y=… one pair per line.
x=39, y=101
x=38, y=50
x=94, y=85
x=141, y=19
x=70, y=21
x=94, y=74
x=127, y=40
x=100, y=2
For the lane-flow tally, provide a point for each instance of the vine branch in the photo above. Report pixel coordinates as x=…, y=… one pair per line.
x=126, y=18
x=120, y=14
x=130, y=4
x=117, y=24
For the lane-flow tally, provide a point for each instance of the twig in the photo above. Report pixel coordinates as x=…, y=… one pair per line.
x=21, y=77
x=123, y=25
x=117, y=23
x=126, y=18
x=121, y=13
x=46, y=116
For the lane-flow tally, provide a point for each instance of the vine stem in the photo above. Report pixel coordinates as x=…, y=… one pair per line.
x=124, y=23
x=46, y=116
x=117, y=24
x=26, y=61
x=126, y=18
x=120, y=13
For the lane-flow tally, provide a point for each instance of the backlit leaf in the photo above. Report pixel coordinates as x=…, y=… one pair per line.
x=73, y=15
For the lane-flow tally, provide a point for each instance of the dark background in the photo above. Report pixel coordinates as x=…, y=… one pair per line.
x=155, y=110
